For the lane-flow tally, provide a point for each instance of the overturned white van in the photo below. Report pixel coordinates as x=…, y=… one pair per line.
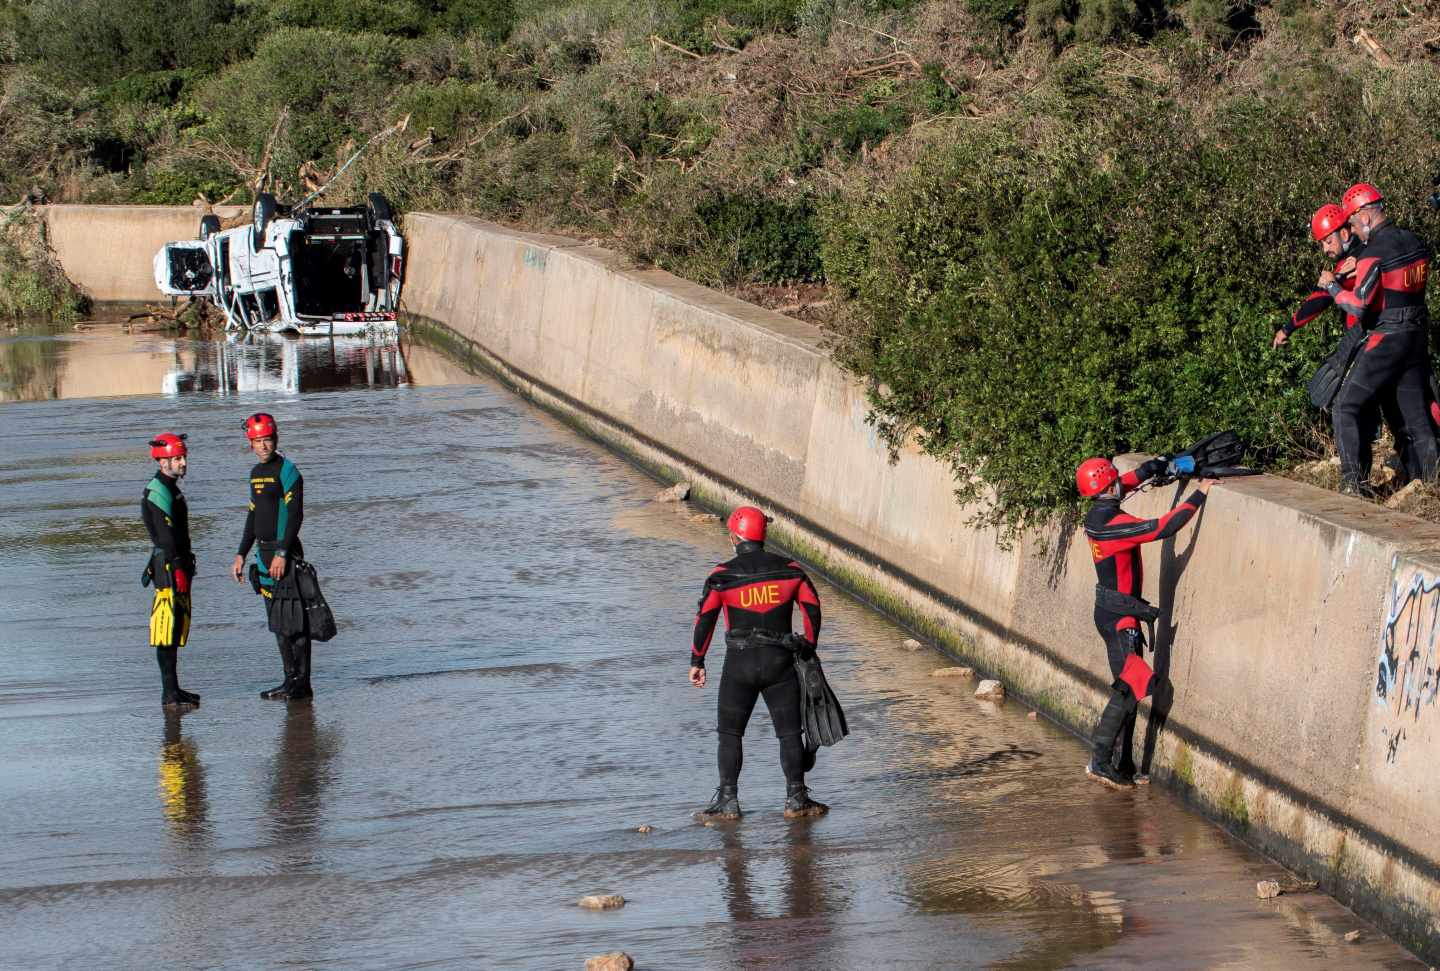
x=315, y=271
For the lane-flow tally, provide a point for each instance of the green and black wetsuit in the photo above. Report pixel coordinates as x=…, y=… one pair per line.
x=277, y=510
x=171, y=568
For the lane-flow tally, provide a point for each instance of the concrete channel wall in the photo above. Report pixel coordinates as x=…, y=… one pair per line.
x=1301, y=640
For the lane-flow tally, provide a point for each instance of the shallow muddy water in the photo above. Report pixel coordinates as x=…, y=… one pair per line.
x=505, y=703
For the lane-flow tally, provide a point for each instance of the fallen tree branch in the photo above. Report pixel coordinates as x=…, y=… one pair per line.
x=657, y=39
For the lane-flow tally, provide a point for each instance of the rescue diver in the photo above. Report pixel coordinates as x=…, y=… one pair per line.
x=757, y=590
x=1330, y=229
x=273, y=527
x=1115, y=539
x=1388, y=297
x=172, y=564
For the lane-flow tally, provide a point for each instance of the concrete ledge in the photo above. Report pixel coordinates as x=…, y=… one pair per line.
x=1299, y=642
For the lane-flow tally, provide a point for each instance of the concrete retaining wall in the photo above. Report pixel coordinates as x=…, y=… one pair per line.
x=108, y=251
x=1301, y=632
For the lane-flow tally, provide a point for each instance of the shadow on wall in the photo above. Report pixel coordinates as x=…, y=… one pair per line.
x=1172, y=568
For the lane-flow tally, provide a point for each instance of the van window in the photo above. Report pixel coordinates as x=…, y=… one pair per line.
x=269, y=304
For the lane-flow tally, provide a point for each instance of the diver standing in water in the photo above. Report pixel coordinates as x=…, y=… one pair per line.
x=757, y=591
x=172, y=564
x=1115, y=539
x=273, y=528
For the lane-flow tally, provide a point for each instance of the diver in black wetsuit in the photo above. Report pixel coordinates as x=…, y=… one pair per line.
x=172, y=564
x=757, y=590
x=273, y=527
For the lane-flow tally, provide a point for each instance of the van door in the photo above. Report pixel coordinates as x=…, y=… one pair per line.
x=183, y=269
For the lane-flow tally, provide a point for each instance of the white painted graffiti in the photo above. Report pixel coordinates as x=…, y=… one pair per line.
x=1407, y=676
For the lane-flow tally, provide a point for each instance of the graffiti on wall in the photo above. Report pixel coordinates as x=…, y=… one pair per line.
x=1406, y=677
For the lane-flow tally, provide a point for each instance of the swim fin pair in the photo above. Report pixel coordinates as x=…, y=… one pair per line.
x=287, y=611
x=298, y=607
x=169, y=618
x=822, y=718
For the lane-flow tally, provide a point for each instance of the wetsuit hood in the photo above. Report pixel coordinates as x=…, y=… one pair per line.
x=748, y=546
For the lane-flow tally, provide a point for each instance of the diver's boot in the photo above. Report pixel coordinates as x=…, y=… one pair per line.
x=1124, y=760
x=283, y=688
x=1109, y=725
x=798, y=803
x=170, y=694
x=725, y=805
x=189, y=697
x=300, y=652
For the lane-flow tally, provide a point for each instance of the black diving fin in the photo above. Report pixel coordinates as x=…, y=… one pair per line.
x=822, y=717
x=1216, y=456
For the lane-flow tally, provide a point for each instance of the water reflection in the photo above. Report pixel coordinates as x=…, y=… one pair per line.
x=100, y=359
x=182, y=785
x=302, y=773
x=270, y=362
x=786, y=917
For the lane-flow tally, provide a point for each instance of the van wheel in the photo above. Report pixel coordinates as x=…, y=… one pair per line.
x=209, y=226
x=379, y=208
x=264, y=212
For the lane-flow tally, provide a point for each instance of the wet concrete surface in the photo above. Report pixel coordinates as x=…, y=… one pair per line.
x=505, y=703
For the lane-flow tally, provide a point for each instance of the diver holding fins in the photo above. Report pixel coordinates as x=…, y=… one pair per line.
x=757, y=591
x=172, y=563
x=1115, y=539
x=272, y=527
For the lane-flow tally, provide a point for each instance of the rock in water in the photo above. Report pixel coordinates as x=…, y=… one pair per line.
x=679, y=492
x=1267, y=889
x=953, y=673
x=644, y=828
x=614, y=961
x=602, y=901
x=990, y=691
x=911, y=644
x=1352, y=937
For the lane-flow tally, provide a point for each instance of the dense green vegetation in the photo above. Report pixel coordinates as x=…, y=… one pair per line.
x=1045, y=228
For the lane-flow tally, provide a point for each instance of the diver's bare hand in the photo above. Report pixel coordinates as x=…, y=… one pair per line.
x=277, y=566
x=1345, y=267
x=1204, y=484
x=1326, y=278
x=697, y=677
x=237, y=569
x=1280, y=338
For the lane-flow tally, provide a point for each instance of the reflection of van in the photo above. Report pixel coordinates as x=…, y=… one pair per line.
x=315, y=271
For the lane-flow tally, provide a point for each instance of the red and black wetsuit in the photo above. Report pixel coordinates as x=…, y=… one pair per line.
x=757, y=591
x=1115, y=539
x=1389, y=297
x=1317, y=302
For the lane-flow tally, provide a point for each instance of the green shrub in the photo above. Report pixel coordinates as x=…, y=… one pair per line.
x=100, y=41
x=1035, y=293
x=335, y=85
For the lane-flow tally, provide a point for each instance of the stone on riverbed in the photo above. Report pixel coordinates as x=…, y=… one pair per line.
x=990, y=691
x=1267, y=889
x=614, y=961
x=679, y=492
x=602, y=901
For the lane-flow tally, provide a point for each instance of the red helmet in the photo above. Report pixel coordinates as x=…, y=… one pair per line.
x=260, y=425
x=748, y=523
x=1326, y=220
x=168, y=445
x=1359, y=194
x=1094, y=476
